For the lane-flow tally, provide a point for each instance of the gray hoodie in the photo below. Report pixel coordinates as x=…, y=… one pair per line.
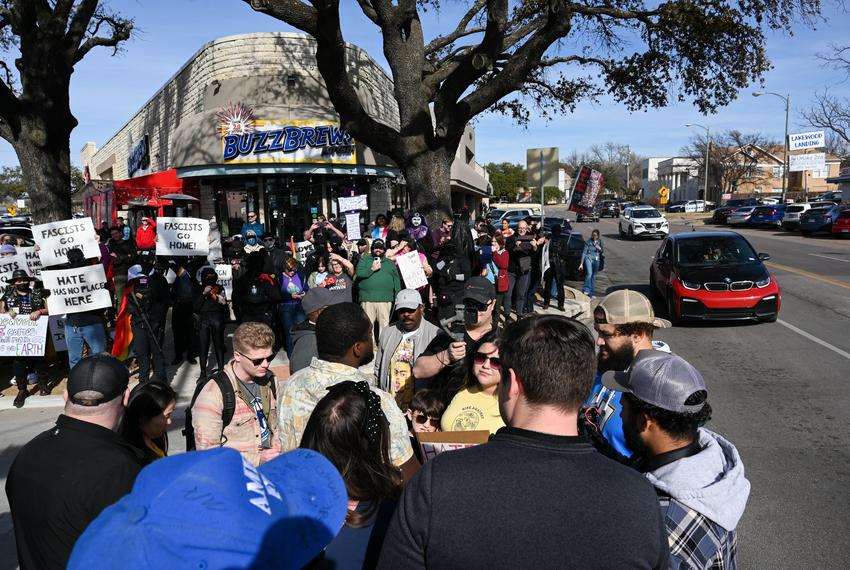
x=711, y=482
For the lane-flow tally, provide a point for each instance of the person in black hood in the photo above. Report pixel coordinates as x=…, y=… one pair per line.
x=182, y=322
x=452, y=269
x=210, y=305
x=147, y=303
x=85, y=327
x=255, y=295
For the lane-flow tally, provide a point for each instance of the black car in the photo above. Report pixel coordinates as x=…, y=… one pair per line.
x=609, y=208
x=592, y=216
x=575, y=248
x=675, y=206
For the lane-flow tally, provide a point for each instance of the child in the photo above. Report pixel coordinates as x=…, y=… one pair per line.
x=423, y=415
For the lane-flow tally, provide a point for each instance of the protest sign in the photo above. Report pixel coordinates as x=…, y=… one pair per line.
x=76, y=290
x=353, y=203
x=544, y=261
x=225, y=278
x=434, y=443
x=33, y=261
x=21, y=336
x=411, y=270
x=586, y=188
x=302, y=250
x=182, y=236
x=54, y=239
x=352, y=226
x=7, y=266
x=57, y=331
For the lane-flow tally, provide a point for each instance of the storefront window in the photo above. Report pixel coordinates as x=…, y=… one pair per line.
x=235, y=197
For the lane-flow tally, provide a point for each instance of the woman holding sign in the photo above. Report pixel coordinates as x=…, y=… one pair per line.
x=21, y=299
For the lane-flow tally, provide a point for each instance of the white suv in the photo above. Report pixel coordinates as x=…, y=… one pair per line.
x=643, y=221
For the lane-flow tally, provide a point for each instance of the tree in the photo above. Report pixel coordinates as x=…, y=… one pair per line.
x=730, y=159
x=510, y=56
x=506, y=178
x=11, y=182
x=610, y=159
x=49, y=38
x=831, y=112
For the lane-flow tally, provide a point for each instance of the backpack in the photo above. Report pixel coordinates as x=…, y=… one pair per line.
x=228, y=395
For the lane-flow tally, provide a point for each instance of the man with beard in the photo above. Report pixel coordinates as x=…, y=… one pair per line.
x=401, y=344
x=624, y=322
x=344, y=344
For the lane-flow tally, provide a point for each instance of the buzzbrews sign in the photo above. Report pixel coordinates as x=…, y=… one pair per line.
x=277, y=141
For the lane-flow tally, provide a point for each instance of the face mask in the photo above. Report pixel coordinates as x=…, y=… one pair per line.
x=252, y=241
x=269, y=244
x=22, y=287
x=416, y=221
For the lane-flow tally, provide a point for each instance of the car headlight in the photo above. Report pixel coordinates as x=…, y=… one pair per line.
x=763, y=283
x=690, y=285
x=638, y=225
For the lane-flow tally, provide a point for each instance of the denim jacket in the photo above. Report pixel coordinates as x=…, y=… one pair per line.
x=590, y=250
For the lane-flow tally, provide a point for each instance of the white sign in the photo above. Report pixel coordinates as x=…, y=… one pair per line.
x=800, y=141
x=800, y=162
x=302, y=250
x=33, y=261
x=21, y=336
x=352, y=226
x=182, y=236
x=225, y=278
x=7, y=266
x=544, y=262
x=411, y=270
x=57, y=331
x=76, y=290
x=353, y=203
x=55, y=239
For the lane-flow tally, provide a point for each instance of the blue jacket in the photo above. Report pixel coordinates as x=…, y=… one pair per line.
x=256, y=226
x=590, y=250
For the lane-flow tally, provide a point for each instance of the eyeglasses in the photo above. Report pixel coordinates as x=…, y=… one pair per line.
x=259, y=361
x=421, y=419
x=480, y=358
x=251, y=216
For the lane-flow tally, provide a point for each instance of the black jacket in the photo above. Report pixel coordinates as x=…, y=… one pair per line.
x=155, y=298
x=124, y=256
x=60, y=481
x=526, y=500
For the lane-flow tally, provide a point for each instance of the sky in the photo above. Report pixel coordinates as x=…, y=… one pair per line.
x=107, y=90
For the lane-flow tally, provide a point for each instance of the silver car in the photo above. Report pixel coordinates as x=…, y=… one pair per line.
x=740, y=216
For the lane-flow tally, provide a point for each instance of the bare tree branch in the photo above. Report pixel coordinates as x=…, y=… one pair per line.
x=121, y=31
x=293, y=12
x=460, y=31
x=830, y=112
x=369, y=11
x=604, y=64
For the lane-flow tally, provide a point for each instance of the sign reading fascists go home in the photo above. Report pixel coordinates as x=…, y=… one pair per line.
x=55, y=239
x=76, y=290
x=182, y=236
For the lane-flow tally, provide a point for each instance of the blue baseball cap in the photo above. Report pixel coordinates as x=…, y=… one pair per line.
x=212, y=509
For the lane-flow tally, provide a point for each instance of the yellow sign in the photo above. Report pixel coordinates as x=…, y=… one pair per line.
x=663, y=191
x=662, y=200
x=12, y=210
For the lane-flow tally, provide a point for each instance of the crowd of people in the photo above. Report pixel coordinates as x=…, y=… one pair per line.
x=592, y=428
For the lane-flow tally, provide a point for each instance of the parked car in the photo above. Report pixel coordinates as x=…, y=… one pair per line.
x=836, y=196
x=741, y=202
x=741, y=216
x=768, y=216
x=624, y=205
x=791, y=221
x=819, y=220
x=500, y=213
x=609, y=208
x=768, y=201
x=592, y=216
x=639, y=221
x=548, y=222
x=841, y=225
x=19, y=232
x=713, y=276
x=721, y=214
x=676, y=206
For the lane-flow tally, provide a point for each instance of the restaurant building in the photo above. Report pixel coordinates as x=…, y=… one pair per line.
x=247, y=125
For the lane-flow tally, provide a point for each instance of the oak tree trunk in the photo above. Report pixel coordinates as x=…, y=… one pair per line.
x=44, y=153
x=428, y=177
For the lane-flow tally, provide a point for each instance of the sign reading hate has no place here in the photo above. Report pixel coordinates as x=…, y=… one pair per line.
x=182, y=236
x=55, y=239
x=21, y=336
x=76, y=290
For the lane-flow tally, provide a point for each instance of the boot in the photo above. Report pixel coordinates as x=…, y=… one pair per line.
x=44, y=388
x=23, y=393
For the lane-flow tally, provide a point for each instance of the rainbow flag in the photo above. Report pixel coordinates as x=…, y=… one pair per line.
x=292, y=245
x=123, y=331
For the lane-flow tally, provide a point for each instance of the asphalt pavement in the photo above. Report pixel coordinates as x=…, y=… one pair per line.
x=779, y=392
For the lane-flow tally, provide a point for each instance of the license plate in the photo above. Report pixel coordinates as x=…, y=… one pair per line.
x=845, y=230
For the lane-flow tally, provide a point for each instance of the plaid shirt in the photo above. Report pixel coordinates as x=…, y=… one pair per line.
x=303, y=390
x=695, y=541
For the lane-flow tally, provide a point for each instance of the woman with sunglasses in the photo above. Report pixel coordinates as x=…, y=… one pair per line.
x=147, y=417
x=476, y=405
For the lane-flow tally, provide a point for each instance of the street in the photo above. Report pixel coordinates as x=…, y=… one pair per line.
x=778, y=392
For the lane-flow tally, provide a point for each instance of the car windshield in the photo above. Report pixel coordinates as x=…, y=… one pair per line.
x=745, y=210
x=497, y=213
x=795, y=208
x=647, y=213
x=818, y=212
x=713, y=250
x=763, y=210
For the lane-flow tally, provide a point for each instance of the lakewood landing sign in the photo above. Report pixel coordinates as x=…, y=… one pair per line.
x=182, y=236
x=289, y=141
x=800, y=141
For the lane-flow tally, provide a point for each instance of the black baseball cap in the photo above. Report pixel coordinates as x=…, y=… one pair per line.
x=479, y=289
x=101, y=373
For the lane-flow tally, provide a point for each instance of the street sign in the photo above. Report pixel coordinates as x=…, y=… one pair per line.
x=800, y=141
x=800, y=162
x=13, y=210
x=545, y=160
x=664, y=192
x=663, y=200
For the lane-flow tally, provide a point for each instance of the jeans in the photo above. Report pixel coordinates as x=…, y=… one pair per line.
x=555, y=278
x=290, y=315
x=506, y=297
x=75, y=336
x=521, y=290
x=211, y=327
x=591, y=268
x=533, y=282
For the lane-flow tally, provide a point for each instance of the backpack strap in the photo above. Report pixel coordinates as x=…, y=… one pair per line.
x=228, y=396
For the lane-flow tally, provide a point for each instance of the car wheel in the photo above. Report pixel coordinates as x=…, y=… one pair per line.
x=620, y=229
x=672, y=315
x=631, y=233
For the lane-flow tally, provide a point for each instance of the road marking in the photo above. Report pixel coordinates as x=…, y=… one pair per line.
x=808, y=274
x=815, y=339
x=830, y=257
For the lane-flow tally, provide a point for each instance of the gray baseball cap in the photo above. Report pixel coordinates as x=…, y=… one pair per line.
x=409, y=299
x=315, y=299
x=659, y=378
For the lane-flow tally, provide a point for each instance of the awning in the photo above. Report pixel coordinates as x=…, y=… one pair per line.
x=285, y=169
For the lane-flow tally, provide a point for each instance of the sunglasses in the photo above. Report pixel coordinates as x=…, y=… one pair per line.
x=259, y=361
x=475, y=305
x=421, y=419
x=480, y=358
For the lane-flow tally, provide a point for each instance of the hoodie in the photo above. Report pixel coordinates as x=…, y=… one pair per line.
x=303, y=346
x=712, y=484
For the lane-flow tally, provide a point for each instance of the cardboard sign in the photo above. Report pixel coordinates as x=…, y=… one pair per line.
x=57, y=331
x=302, y=250
x=55, y=239
x=411, y=270
x=76, y=290
x=352, y=226
x=353, y=203
x=7, y=266
x=21, y=336
x=182, y=236
x=435, y=443
x=33, y=261
x=225, y=278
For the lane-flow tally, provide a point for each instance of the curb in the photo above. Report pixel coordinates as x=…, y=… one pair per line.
x=32, y=402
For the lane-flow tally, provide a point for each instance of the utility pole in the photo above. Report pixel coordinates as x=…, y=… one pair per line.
x=707, y=149
x=786, y=160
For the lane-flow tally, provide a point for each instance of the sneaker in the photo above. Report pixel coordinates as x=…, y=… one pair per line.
x=32, y=378
x=13, y=381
